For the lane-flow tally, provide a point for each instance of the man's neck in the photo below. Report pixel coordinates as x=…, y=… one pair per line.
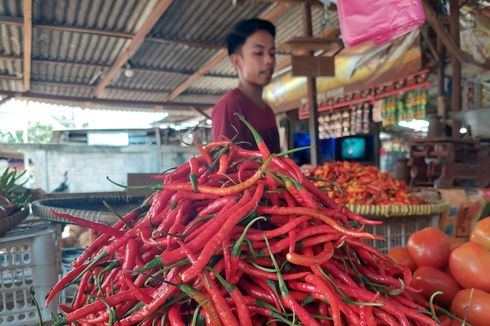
x=253, y=92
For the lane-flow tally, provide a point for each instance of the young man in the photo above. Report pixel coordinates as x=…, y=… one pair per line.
x=253, y=54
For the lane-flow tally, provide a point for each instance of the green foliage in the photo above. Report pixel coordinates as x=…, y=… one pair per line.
x=37, y=133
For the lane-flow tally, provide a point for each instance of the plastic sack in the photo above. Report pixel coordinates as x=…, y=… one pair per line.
x=379, y=21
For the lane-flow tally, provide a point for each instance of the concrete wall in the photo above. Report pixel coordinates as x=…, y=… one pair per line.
x=88, y=166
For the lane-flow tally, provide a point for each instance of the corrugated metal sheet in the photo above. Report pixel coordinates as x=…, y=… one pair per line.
x=116, y=15
x=11, y=67
x=11, y=7
x=11, y=40
x=213, y=85
x=150, y=80
x=11, y=85
x=205, y=20
x=63, y=72
x=197, y=98
x=69, y=46
x=118, y=94
x=175, y=57
x=61, y=90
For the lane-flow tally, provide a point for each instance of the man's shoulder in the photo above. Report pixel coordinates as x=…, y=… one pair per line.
x=230, y=96
x=231, y=99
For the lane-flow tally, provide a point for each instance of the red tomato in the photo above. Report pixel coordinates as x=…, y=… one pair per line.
x=481, y=232
x=473, y=303
x=430, y=280
x=429, y=247
x=402, y=257
x=470, y=266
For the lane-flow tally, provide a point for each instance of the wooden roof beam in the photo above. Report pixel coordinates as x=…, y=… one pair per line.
x=27, y=43
x=445, y=38
x=273, y=14
x=133, y=45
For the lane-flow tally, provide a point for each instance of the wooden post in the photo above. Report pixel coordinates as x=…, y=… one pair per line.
x=312, y=98
x=441, y=95
x=456, y=65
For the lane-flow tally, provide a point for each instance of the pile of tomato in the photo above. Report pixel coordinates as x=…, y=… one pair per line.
x=460, y=272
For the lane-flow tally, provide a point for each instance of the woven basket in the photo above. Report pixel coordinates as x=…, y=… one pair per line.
x=388, y=211
x=9, y=222
x=399, y=222
x=90, y=207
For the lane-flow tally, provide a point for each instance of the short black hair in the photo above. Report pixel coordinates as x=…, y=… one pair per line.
x=243, y=29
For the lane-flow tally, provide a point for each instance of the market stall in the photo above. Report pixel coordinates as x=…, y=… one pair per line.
x=376, y=212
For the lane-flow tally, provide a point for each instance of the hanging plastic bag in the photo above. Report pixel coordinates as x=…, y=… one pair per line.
x=379, y=21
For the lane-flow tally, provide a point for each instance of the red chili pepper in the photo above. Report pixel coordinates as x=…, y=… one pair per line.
x=160, y=296
x=323, y=289
x=98, y=227
x=255, y=272
x=174, y=315
x=210, y=247
x=207, y=158
x=71, y=276
x=316, y=214
x=222, y=191
x=258, y=292
x=217, y=299
x=238, y=299
x=210, y=228
x=308, y=261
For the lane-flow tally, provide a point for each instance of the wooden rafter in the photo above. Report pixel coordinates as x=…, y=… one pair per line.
x=106, y=102
x=449, y=43
x=133, y=45
x=27, y=43
x=273, y=14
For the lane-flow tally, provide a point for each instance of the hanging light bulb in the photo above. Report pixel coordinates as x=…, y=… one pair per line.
x=127, y=71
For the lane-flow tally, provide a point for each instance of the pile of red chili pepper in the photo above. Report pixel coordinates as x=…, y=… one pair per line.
x=238, y=237
x=356, y=184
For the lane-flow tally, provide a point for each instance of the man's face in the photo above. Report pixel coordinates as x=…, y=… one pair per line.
x=256, y=60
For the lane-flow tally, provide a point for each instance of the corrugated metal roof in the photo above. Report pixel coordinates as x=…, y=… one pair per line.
x=11, y=39
x=10, y=7
x=118, y=94
x=70, y=46
x=11, y=85
x=194, y=98
x=205, y=20
x=116, y=15
x=213, y=85
x=170, y=56
x=63, y=73
x=149, y=80
x=11, y=67
x=62, y=90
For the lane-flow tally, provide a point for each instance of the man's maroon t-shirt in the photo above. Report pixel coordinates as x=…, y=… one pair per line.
x=261, y=119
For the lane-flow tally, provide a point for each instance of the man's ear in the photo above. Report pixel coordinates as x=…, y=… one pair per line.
x=235, y=60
